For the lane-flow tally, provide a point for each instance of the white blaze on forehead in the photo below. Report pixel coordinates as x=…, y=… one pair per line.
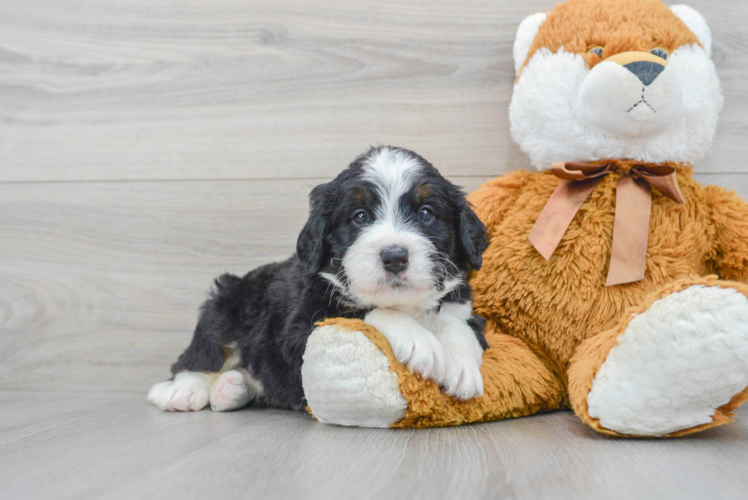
x=392, y=172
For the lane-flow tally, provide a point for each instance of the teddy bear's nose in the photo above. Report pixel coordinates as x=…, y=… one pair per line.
x=646, y=71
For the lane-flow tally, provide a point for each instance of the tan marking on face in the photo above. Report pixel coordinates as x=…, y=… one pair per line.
x=362, y=195
x=422, y=191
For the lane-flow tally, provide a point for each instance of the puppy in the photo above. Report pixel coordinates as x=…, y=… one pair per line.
x=390, y=241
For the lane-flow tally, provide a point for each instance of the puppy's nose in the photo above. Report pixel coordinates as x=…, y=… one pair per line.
x=645, y=71
x=395, y=259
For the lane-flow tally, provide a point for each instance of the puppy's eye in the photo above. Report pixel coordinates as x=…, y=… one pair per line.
x=361, y=217
x=659, y=52
x=425, y=214
x=596, y=50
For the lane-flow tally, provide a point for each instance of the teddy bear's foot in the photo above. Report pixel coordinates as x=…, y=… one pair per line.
x=347, y=380
x=679, y=365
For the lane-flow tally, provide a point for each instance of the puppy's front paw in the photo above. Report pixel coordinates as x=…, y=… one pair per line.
x=411, y=343
x=423, y=354
x=463, y=380
x=189, y=391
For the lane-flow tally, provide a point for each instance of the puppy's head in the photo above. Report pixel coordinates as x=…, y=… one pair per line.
x=391, y=231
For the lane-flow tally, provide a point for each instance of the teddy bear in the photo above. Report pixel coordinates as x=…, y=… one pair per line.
x=614, y=284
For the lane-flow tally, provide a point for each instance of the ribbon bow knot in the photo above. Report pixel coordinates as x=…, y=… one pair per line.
x=628, y=257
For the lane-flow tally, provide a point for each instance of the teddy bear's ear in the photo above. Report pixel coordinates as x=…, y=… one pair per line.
x=526, y=32
x=696, y=23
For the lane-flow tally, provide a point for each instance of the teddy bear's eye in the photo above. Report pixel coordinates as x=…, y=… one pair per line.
x=596, y=50
x=660, y=52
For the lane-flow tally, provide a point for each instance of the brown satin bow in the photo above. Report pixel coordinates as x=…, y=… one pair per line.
x=628, y=258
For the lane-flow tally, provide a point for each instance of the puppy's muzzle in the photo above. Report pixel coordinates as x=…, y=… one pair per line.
x=394, y=259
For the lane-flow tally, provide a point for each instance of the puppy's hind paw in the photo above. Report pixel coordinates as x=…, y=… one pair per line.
x=231, y=391
x=188, y=391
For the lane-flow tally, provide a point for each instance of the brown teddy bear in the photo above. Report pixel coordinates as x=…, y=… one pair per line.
x=614, y=283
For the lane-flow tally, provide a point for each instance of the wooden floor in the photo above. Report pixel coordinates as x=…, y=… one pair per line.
x=111, y=446
x=146, y=147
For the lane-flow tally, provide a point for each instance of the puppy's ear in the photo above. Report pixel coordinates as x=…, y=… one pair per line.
x=310, y=247
x=470, y=231
x=471, y=237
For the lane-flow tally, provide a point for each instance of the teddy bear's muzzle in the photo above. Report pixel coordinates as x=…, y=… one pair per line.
x=645, y=66
x=629, y=95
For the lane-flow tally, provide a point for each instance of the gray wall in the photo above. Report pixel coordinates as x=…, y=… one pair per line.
x=146, y=147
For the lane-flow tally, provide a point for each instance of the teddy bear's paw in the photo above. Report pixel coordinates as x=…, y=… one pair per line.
x=189, y=391
x=675, y=363
x=347, y=380
x=233, y=389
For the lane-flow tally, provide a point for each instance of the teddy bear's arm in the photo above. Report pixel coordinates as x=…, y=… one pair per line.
x=729, y=214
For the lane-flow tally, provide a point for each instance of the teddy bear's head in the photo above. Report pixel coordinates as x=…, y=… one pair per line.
x=624, y=79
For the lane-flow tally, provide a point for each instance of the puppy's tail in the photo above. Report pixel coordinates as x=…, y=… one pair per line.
x=224, y=285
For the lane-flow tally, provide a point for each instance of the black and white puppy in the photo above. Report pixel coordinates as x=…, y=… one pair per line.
x=389, y=240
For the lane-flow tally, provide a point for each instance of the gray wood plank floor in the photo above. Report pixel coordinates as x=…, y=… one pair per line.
x=111, y=446
x=146, y=147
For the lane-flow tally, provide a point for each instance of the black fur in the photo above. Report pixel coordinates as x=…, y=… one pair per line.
x=269, y=314
x=310, y=246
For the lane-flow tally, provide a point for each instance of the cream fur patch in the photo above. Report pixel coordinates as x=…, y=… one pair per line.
x=347, y=380
x=675, y=364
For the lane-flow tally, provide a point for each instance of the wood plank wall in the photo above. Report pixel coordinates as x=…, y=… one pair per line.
x=146, y=147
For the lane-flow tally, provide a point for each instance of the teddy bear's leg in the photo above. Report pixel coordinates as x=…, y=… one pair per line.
x=676, y=364
x=351, y=377
x=347, y=378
